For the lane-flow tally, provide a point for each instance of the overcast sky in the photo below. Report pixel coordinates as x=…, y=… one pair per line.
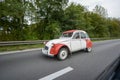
x=112, y=6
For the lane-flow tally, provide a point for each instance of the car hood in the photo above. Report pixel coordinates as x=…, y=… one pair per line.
x=55, y=41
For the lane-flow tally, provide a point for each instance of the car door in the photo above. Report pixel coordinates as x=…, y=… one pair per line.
x=83, y=40
x=75, y=42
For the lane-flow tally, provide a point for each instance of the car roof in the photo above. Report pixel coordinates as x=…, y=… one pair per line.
x=70, y=31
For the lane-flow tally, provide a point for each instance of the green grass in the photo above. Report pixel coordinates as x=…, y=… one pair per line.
x=20, y=47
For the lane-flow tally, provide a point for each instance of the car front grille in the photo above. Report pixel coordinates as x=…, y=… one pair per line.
x=46, y=48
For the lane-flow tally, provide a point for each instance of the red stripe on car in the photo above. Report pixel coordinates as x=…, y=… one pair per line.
x=88, y=43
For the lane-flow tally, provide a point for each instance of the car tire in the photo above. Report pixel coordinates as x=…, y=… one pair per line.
x=88, y=49
x=63, y=54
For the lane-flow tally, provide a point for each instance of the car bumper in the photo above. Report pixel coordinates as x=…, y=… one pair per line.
x=46, y=52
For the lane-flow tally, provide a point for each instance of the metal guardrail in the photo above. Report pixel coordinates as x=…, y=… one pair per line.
x=98, y=38
x=10, y=43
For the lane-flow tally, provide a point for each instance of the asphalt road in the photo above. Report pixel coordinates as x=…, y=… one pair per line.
x=32, y=65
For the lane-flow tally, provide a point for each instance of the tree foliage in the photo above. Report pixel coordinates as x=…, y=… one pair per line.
x=100, y=10
x=12, y=19
x=49, y=13
x=73, y=17
x=46, y=19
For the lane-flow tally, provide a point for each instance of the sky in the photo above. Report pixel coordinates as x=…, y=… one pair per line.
x=112, y=6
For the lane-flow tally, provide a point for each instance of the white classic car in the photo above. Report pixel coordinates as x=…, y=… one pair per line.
x=69, y=42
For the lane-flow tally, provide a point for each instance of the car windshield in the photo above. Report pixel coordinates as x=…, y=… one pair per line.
x=67, y=35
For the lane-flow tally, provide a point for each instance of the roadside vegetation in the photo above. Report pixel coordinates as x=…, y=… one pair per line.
x=46, y=19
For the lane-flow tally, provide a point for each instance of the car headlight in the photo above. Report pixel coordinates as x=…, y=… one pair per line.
x=53, y=44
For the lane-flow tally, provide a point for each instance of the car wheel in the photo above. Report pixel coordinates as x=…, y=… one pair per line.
x=88, y=49
x=63, y=54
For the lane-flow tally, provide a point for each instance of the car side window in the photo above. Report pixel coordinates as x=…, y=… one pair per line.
x=83, y=35
x=76, y=36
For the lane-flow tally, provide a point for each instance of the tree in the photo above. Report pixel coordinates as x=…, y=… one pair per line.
x=73, y=17
x=99, y=25
x=88, y=24
x=49, y=15
x=12, y=18
x=100, y=10
x=114, y=27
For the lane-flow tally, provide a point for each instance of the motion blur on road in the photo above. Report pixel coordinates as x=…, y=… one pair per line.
x=32, y=65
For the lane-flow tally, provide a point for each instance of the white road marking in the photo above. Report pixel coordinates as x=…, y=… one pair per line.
x=57, y=74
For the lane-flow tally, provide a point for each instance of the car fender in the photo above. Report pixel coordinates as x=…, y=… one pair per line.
x=88, y=43
x=56, y=47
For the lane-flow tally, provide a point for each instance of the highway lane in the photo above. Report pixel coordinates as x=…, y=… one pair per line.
x=32, y=65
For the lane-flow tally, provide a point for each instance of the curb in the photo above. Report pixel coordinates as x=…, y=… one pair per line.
x=19, y=51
